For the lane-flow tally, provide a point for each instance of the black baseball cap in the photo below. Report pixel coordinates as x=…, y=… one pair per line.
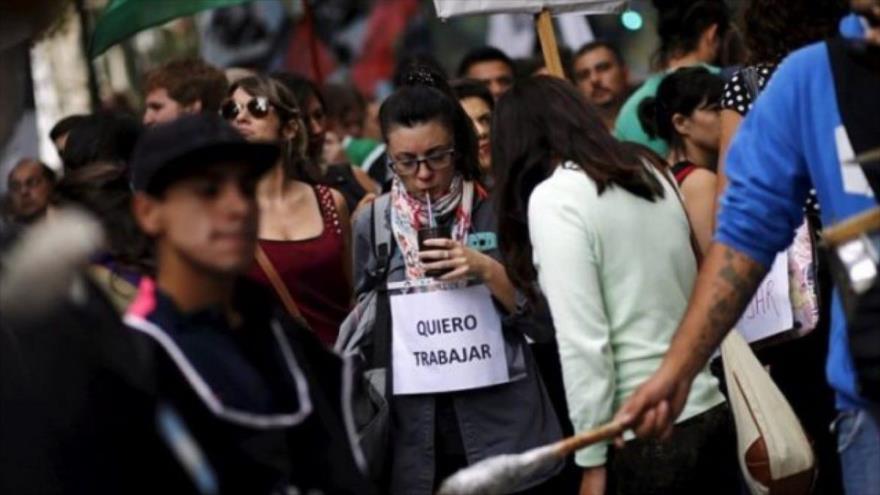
x=169, y=150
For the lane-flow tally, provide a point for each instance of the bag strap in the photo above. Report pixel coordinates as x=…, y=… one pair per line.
x=380, y=236
x=750, y=76
x=277, y=284
x=695, y=246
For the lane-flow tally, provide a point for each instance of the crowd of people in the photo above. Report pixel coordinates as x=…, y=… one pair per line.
x=299, y=290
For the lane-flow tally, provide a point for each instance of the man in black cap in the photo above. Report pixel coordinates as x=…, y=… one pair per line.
x=261, y=394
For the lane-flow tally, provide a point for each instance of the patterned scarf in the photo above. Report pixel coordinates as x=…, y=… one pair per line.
x=409, y=214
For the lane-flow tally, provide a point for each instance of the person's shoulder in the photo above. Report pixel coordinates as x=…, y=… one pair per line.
x=644, y=90
x=803, y=61
x=565, y=184
x=627, y=124
x=339, y=202
x=364, y=219
x=795, y=76
x=698, y=180
x=714, y=69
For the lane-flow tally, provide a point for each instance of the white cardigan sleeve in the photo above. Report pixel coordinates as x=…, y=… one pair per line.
x=567, y=255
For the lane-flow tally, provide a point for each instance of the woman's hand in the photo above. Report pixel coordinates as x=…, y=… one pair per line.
x=465, y=262
x=593, y=481
x=451, y=255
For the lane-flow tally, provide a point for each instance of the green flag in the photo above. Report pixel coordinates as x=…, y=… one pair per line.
x=124, y=18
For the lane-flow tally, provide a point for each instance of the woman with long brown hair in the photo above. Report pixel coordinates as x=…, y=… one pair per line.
x=608, y=244
x=305, y=231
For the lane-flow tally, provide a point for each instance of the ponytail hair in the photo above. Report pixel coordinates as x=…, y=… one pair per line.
x=681, y=92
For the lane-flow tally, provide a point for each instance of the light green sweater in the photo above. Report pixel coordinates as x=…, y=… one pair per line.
x=617, y=271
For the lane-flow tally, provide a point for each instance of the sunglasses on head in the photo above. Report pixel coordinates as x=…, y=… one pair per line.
x=258, y=107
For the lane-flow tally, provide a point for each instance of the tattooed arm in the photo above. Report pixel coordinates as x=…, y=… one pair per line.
x=726, y=283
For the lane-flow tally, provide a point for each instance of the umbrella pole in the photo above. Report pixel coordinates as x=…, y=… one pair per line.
x=86, y=28
x=547, y=36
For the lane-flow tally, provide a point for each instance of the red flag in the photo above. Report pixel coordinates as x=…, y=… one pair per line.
x=387, y=22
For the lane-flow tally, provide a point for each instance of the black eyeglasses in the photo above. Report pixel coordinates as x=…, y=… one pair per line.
x=436, y=160
x=258, y=107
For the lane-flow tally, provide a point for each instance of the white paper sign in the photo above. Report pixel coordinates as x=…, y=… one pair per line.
x=851, y=174
x=446, y=340
x=769, y=312
x=452, y=8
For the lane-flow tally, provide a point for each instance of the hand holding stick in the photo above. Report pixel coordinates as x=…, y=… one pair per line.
x=507, y=473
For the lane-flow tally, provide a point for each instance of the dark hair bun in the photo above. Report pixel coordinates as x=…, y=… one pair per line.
x=424, y=75
x=419, y=74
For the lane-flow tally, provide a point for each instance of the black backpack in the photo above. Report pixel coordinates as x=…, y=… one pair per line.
x=856, y=71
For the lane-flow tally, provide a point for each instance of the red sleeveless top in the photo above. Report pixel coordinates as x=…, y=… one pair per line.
x=312, y=270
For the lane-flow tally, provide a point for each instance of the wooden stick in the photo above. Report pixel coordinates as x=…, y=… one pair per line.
x=852, y=227
x=584, y=439
x=508, y=473
x=870, y=156
x=544, y=25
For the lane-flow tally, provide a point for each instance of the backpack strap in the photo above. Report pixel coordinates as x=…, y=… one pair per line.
x=750, y=77
x=380, y=235
x=383, y=246
x=856, y=72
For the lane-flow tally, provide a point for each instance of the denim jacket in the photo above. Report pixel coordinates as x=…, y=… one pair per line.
x=502, y=419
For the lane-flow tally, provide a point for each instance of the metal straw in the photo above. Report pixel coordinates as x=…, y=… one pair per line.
x=431, y=222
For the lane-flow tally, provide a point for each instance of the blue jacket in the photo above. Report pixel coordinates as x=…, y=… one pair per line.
x=786, y=145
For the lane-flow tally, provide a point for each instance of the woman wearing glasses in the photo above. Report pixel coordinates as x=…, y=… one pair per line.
x=433, y=153
x=304, y=226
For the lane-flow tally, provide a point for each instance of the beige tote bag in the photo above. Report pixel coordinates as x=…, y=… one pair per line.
x=774, y=453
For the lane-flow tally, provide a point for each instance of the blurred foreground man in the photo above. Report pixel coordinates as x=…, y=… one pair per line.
x=818, y=111
x=259, y=391
x=212, y=390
